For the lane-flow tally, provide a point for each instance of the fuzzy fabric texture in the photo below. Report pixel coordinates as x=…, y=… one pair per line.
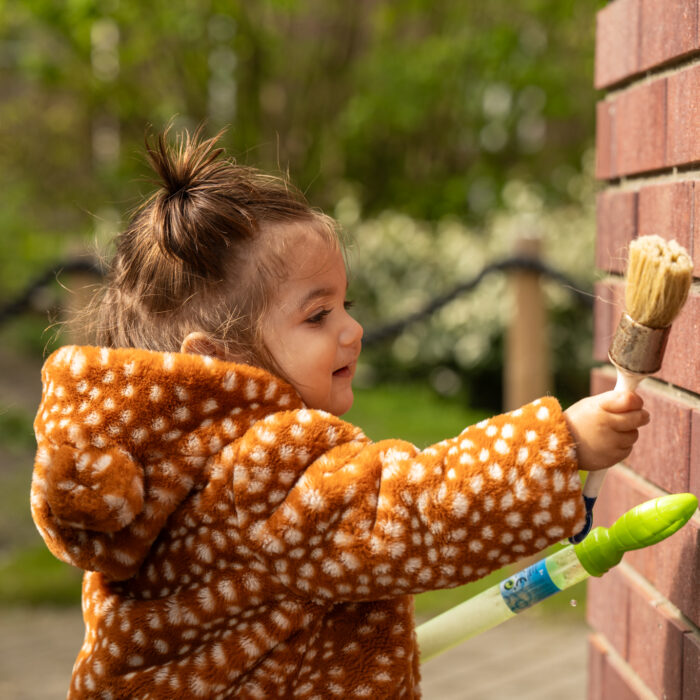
x=237, y=544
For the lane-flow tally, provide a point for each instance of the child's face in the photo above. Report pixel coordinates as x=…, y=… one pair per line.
x=308, y=330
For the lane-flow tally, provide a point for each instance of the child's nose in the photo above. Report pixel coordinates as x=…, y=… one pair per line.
x=352, y=332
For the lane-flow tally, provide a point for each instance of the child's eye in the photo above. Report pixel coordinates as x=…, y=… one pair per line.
x=348, y=304
x=318, y=317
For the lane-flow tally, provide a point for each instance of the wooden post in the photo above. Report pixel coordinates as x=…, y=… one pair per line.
x=527, y=373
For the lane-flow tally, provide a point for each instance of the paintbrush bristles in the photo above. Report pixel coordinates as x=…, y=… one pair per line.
x=659, y=274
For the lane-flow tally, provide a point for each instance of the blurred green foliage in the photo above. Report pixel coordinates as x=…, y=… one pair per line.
x=33, y=576
x=16, y=431
x=434, y=129
x=399, y=264
x=426, y=106
x=382, y=413
x=414, y=115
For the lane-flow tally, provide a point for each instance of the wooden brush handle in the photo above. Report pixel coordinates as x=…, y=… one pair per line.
x=627, y=381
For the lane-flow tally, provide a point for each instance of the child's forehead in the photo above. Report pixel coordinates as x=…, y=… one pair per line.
x=305, y=247
x=312, y=268
x=315, y=262
x=307, y=231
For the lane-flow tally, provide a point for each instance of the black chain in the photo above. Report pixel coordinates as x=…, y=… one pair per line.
x=513, y=263
x=23, y=302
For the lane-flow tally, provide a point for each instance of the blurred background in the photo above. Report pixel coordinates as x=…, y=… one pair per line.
x=438, y=132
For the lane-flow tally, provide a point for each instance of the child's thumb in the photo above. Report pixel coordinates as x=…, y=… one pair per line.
x=621, y=401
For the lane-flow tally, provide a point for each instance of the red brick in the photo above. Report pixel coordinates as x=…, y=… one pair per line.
x=669, y=31
x=617, y=305
x=605, y=680
x=655, y=651
x=617, y=42
x=673, y=568
x=605, y=141
x=616, y=685
x=620, y=493
x=662, y=453
x=694, y=485
x=655, y=643
x=596, y=667
x=683, y=121
x=601, y=381
x=695, y=245
x=616, y=217
x=691, y=667
x=640, y=128
x=607, y=309
x=607, y=604
x=681, y=364
x=667, y=211
x=602, y=321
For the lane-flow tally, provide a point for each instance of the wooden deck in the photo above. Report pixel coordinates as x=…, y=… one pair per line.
x=527, y=658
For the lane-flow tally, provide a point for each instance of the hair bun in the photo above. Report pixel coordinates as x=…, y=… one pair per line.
x=187, y=218
x=179, y=165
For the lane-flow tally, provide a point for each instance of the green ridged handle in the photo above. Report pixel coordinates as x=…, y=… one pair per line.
x=644, y=525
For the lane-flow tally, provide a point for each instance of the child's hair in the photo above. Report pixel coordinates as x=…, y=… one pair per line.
x=203, y=253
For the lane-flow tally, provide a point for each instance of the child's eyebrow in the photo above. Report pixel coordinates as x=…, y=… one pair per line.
x=319, y=293
x=314, y=294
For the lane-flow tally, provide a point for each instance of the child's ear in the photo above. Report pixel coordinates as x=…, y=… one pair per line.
x=198, y=343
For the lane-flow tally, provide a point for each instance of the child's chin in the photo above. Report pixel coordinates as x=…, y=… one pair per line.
x=342, y=407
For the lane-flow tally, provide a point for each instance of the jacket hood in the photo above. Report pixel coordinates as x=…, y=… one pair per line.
x=124, y=435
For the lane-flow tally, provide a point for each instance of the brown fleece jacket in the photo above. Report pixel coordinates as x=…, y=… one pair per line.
x=237, y=544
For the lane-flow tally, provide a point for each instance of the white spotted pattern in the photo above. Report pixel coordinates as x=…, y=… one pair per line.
x=231, y=520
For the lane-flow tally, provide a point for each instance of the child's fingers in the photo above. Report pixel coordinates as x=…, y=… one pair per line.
x=631, y=420
x=620, y=401
x=623, y=444
x=627, y=439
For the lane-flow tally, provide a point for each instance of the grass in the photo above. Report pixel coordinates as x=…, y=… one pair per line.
x=16, y=430
x=413, y=412
x=33, y=576
x=29, y=573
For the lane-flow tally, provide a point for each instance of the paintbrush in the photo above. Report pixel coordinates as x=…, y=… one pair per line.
x=659, y=274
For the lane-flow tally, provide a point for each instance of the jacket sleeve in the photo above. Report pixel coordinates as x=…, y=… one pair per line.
x=369, y=520
x=98, y=505
x=100, y=509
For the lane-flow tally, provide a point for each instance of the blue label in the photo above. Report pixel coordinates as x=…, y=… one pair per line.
x=527, y=587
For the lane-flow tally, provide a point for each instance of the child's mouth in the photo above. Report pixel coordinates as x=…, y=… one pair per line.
x=343, y=372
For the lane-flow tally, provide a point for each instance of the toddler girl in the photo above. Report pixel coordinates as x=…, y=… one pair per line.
x=238, y=538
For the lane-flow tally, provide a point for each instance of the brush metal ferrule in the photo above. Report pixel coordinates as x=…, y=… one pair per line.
x=638, y=348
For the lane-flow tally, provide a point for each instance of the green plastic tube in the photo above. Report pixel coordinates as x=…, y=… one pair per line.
x=642, y=526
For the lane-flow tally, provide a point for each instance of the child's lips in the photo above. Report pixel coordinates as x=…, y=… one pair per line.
x=344, y=372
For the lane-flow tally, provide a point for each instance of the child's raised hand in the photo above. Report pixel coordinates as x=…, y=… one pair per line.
x=605, y=427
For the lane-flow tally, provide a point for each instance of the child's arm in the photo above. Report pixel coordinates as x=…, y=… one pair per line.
x=367, y=520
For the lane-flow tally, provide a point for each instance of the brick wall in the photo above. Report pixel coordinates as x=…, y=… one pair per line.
x=645, y=614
